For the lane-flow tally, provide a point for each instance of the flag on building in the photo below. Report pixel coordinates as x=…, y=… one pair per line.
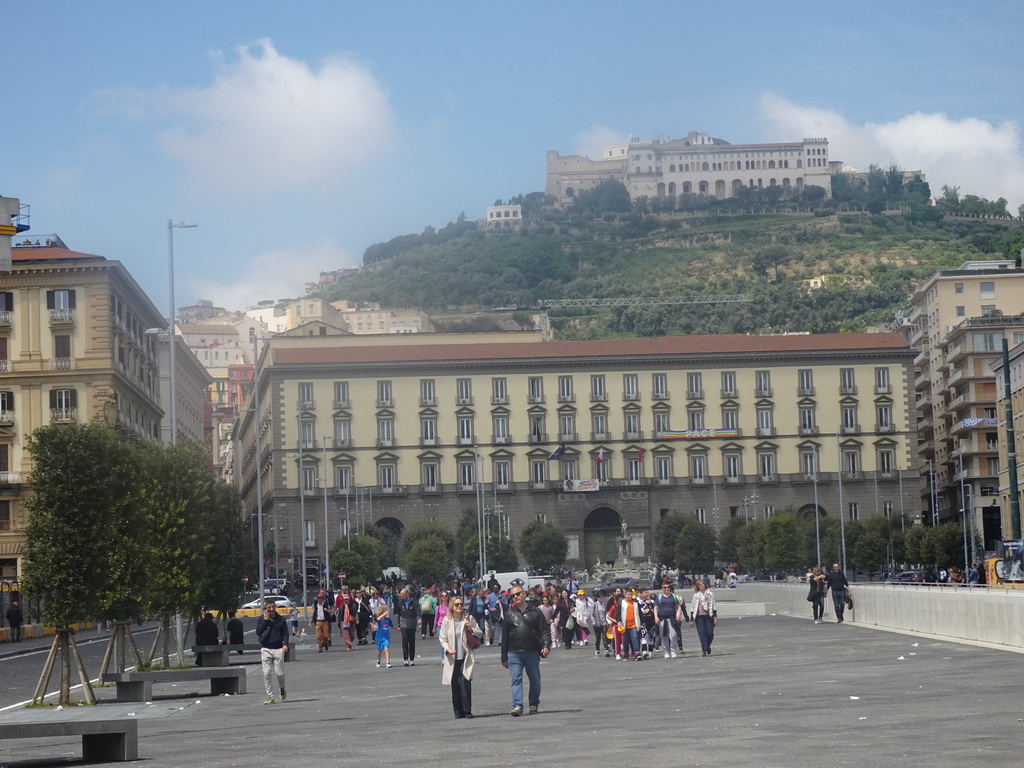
x=640, y=456
x=557, y=453
x=600, y=455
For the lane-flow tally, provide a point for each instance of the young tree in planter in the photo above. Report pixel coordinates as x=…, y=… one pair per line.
x=177, y=493
x=84, y=549
x=225, y=558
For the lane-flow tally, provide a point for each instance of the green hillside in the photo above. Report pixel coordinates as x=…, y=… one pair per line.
x=764, y=249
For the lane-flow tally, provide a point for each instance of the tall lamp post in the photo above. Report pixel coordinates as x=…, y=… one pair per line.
x=817, y=517
x=171, y=226
x=259, y=468
x=327, y=555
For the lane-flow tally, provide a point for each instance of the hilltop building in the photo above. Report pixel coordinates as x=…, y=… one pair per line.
x=697, y=164
x=395, y=429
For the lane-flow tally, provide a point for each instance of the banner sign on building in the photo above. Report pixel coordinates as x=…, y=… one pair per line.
x=582, y=485
x=697, y=434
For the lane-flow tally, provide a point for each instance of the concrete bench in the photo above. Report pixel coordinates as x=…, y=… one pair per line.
x=138, y=686
x=102, y=740
x=218, y=655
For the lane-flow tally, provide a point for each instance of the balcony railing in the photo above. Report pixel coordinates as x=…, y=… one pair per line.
x=63, y=414
x=695, y=394
x=62, y=364
x=341, y=442
x=62, y=315
x=385, y=442
x=659, y=395
x=538, y=437
x=6, y=418
x=10, y=478
x=5, y=366
x=336, y=404
x=5, y=317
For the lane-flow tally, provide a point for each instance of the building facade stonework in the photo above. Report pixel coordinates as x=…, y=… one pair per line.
x=714, y=426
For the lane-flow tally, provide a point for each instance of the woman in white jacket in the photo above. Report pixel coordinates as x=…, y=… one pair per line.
x=457, y=662
x=704, y=615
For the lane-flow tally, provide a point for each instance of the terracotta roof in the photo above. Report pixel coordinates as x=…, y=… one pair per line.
x=44, y=253
x=724, y=344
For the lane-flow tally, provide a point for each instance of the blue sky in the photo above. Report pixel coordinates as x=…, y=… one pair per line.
x=295, y=134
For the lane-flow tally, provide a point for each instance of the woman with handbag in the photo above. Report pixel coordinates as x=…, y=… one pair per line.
x=816, y=596
x=704, y=615
x=460, y=636
x=565, y=612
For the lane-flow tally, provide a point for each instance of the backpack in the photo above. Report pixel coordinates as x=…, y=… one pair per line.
x=425, y=605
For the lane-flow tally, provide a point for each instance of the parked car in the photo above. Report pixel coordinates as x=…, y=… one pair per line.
x=283, y=603
x=906, y=577
x=614, y=582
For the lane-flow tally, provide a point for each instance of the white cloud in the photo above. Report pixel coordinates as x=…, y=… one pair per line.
x=268, y=122
x=271, y=275
x=594, y=139
x=979, y=157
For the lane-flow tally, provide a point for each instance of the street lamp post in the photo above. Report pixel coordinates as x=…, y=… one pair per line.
x=171, y=226
x=327, y=554
x=817, y=517
x=259, y=468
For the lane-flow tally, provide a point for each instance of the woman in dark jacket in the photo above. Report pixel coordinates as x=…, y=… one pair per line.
x=563, y=611
x=818, y=587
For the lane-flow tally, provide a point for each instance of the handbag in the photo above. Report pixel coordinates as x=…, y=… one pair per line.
x=849, y=600
x=570, y=623
x=472, y=641
x=812, y=594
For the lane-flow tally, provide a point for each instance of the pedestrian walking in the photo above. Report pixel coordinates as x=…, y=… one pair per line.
x=407, y=614
x=525, y=640
x=320, y=620
x=15, y=618
x=383, y=634
x=704, y=615
x=272, y=632
x=669, y=610
x=818, y=585
x=458, y=658
x=840, y=586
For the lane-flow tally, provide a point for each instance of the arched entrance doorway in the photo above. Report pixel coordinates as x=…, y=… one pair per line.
x=600, y=530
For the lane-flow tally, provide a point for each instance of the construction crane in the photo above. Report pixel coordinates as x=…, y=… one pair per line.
x=631, y=301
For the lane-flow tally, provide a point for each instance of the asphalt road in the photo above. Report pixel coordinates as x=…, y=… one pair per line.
x=777, y=691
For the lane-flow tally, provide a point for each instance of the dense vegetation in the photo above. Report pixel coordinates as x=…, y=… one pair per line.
x=871, y=243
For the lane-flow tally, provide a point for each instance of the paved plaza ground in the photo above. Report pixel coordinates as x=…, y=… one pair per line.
x=778, y=691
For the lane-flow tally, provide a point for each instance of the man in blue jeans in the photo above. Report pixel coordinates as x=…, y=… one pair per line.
x=525, y=640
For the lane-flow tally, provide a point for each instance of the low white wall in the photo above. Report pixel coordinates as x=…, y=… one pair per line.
x=986, y=615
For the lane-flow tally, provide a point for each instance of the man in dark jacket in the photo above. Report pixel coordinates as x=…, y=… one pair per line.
x=838, y=584
x=525, y=639
x=206, y=633
x=406, y=614
x=272, y=631
x=15, y=618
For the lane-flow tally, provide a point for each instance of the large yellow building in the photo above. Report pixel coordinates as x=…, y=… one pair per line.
x=73, y=348
x=587, y=435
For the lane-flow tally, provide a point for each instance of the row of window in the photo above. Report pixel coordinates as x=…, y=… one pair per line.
x=599, y=388
x=600, y=429
x=731, y=165
x=601, y=467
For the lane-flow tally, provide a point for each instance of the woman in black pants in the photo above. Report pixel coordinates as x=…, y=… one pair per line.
x=817, y=594
x=563, y=612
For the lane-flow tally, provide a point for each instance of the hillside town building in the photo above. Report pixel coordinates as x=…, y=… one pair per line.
x=696, y=164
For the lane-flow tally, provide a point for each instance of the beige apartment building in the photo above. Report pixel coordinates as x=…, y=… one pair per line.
x=956, y=321
x=1016, y=370
x=588, y=435
x=73, y=348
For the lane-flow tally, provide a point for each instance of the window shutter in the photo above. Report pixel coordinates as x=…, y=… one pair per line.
x=71, y=299
x=3, y=348
x=6, y=301
x=53, y=398
x=74, y=397
x=51, y=300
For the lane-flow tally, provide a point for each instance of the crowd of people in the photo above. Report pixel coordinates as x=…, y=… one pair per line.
x=526, y=622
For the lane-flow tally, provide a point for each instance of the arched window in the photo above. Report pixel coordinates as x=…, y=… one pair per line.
x=703, y=187
x=687, y=188
x=771, y=164
x=672, y=168
x=704, y=167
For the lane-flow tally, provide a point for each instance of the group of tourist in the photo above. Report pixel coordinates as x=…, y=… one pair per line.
x=526, y=623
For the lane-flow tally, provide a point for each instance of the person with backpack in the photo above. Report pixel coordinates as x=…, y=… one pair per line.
x=495, y=613
x=428, y=611
x=668, y=610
